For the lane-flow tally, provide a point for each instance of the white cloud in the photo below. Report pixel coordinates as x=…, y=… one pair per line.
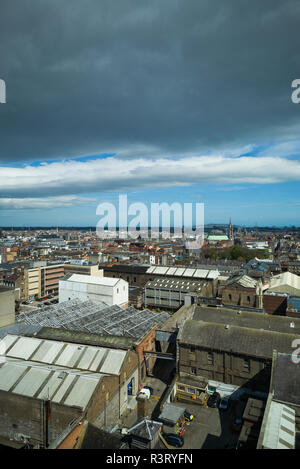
x=114, y=174
x=43, y=203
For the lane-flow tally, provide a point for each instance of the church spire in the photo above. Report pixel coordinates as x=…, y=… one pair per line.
x=230, y=229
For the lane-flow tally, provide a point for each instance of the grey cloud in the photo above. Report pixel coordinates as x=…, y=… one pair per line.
x=174, y=75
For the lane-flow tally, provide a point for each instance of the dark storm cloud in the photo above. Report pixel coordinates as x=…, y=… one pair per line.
x=173, y=76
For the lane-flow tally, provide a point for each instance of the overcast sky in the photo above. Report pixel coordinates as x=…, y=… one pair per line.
x=165, y=100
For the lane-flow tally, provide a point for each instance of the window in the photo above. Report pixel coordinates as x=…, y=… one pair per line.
x=180, y=388
x=229, y=297
x=117, y=290
x=191, y=390
x=248, y=299
x=193, y=371
x=210, y=358
x=247, y=365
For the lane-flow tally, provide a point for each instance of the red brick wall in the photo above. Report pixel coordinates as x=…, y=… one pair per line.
x=275, y=304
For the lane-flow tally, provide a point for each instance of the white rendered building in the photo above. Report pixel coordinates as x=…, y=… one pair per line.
x=112, y=291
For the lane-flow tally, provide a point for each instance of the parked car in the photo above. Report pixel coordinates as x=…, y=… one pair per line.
x=47, y=303
x=174, y=440
x=189, y=417
x=214, y=400
x=224, y=403
x=144, y=393
x=150, y=389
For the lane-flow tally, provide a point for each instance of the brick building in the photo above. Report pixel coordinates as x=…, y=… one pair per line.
x=230, y=354
x=46, y=384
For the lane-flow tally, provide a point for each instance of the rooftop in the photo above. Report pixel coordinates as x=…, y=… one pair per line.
x=68, y=387
x=85, y=316
x=177, y=285
x=242, y=280
x=279, y=431
x=145, y=429
x=235, y=339
x=63, y=354
x=184, y=272
x=285, y=282
x=286, y=379
x=247, y=319
x=104, y=281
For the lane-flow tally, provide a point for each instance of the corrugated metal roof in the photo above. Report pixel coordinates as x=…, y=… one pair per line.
x=67, y=355
x=113, y=362
x=201, y=273
x=81, y=392
x=24, y=347
x=213, y=274
x=171, y=271
x=280, y=427
x=189, y=272
x=160, y=270
x=9, y=375
x=31, y=382
x=64, y=386
x=179, y=271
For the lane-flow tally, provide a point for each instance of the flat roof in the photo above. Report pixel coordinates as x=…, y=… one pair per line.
x=171, y=413
x=92, y=279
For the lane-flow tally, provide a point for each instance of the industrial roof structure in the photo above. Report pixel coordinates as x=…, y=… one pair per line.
x=243, y=280
x=279, y=430
x=184, y=272
x=63, y=372
x=177, y=285
x=63, y=354
x=99, y=318
x=39, y=381
x=286, y=282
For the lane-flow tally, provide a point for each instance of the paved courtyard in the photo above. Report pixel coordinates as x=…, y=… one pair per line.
x=210, y=428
